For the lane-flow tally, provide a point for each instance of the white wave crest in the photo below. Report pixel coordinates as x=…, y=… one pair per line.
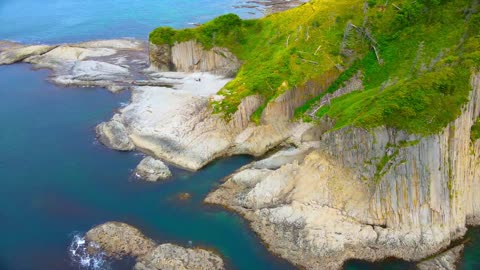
x=83, y=259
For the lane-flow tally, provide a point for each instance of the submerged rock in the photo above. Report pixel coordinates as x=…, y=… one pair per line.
x=173, y=257
x=117, y=240
x=184, y=196
x=114, y=135
x=445, y=261
x=152, y=170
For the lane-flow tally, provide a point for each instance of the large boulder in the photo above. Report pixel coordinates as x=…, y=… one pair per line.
x=113, y=134
x=173, y=257
x=119, y=239
x=152, y=170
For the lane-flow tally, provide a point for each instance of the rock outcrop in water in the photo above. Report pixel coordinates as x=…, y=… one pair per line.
x=119, y=240
x=365, y=194
x=152, y=170
x=114, y=135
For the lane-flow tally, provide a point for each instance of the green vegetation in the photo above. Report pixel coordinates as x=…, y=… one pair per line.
x=345, y=76
x=475, y=135
x=416, y=57
x=428, y=51
x=223, y=30
x=388, y=160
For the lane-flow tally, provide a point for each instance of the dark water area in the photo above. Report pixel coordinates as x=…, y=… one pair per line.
x=57, y=181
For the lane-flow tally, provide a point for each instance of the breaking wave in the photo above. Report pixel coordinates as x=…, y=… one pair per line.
x=84, y=260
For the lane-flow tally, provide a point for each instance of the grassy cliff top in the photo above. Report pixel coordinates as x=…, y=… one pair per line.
x=416, y=57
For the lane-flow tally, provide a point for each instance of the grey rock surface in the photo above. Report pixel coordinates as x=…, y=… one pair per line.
x=173, y=257
x=152, y=170
x=114, y=135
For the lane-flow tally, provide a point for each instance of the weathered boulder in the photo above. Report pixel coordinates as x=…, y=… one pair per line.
x=114, y=135
x=173, y=257
x=152, y=170
x=444, y=261
x=119, y=239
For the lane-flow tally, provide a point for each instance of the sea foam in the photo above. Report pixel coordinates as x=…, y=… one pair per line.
x=84, y=260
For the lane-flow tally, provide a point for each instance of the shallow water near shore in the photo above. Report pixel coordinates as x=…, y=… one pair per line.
x=57, y=182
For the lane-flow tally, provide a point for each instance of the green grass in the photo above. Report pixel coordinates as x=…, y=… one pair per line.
x=427, y=49
x=475, y=134
x=424, y=79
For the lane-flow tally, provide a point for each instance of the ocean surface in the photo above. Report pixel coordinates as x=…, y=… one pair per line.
x=57, y=181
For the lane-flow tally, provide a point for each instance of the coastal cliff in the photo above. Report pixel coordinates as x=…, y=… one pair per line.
x=382, y=171
x=364, y=194
x=376, y=156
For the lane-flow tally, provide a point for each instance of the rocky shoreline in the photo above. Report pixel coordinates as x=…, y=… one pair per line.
x=310, y=202
x=327, y=196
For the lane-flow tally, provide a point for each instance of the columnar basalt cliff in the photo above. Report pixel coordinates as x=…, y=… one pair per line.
x=364, y=194
x=190, y=56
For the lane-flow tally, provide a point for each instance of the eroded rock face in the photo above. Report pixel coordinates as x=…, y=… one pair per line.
x=172, y=257
x=161, y=57
x=114, y=135
x=118, y=240
x=190, y=56
x=152, y=170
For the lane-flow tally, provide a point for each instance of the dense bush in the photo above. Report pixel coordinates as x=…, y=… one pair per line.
x=221, y=30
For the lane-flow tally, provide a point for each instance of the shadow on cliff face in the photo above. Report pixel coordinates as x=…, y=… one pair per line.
x=391, y=264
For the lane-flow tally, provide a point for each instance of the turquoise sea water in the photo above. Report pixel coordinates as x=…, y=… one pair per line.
x=56, y=181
